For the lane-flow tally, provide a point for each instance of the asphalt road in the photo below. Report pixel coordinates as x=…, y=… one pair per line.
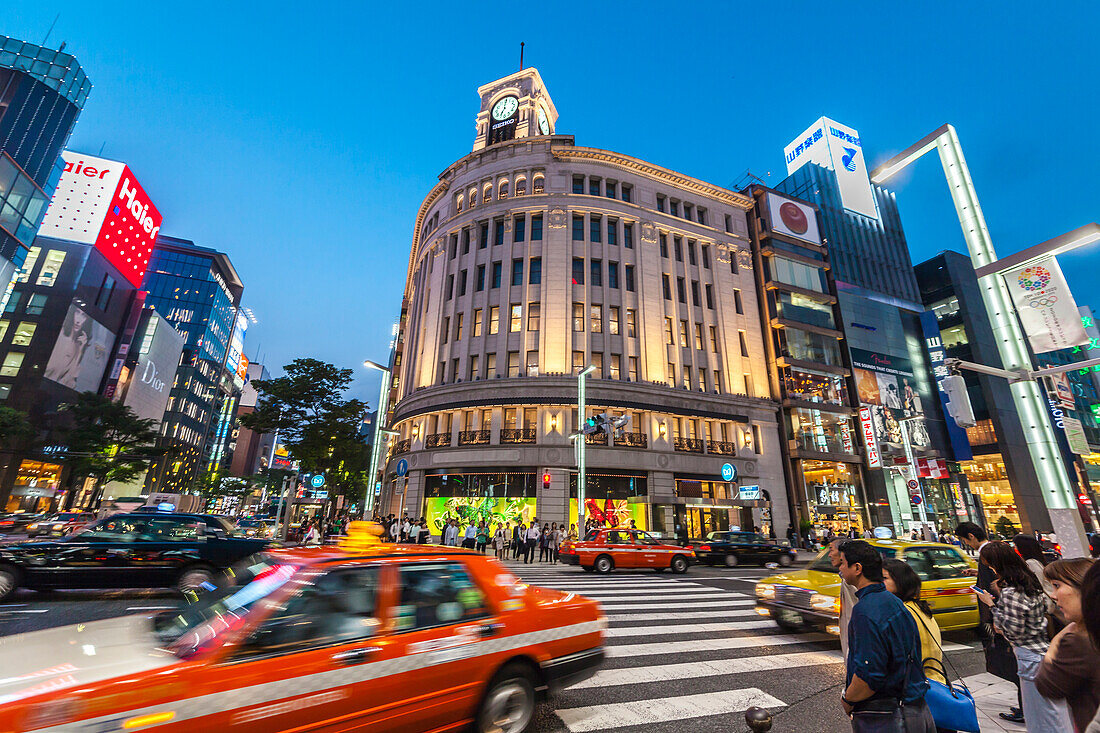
x=680, y=648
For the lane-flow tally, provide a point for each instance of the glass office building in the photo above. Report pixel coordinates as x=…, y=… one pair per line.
x=199, y=293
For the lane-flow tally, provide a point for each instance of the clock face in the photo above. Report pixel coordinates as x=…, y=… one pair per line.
x=505, y=108
x=544, y=124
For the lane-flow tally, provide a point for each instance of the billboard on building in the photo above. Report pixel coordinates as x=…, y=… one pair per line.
x=236, y=348
x=887, y=386
x=1046, y=307
x=159, y=347
x=838, y=148
x=100, y=202
x=793, y=218
x=80, y=353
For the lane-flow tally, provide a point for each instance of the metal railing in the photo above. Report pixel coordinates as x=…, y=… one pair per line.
x=633, y=440
x=473, y=437
x=688, y=445
x=437, y=440
x=517, y=435
x=721, y=448
x=402, y=446
x=596, y=439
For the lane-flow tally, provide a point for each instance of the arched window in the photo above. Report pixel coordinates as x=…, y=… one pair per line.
x=487, y=193
x=502, y=190
x=473, y=197
x=537, y=185
x=458, y=202
x=521, y=187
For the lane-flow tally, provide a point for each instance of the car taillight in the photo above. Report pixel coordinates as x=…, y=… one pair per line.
x=705, y=548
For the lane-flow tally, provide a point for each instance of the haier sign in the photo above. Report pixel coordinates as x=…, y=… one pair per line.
x=838, y=148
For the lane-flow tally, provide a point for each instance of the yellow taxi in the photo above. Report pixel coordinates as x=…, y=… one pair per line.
x=363, y=636
x=810, y=598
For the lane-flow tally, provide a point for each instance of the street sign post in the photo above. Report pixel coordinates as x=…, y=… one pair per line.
x=316, y=480
x=729, y=472
x=402, y=467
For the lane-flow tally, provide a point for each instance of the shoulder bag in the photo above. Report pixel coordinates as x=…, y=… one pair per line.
x=952, y=705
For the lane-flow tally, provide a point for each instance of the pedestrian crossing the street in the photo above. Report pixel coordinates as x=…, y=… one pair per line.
x=680, y=649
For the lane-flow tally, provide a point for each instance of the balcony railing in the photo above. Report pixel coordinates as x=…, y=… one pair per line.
x=721, y=448
x=596, y=439
x=517, y=435
x=402, y=446
x=473, y=437
x=437, y=440
x=688, y=445
x=633, y=440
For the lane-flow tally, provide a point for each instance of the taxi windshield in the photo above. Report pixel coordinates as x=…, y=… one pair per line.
x=824, y=565
x=222, y=607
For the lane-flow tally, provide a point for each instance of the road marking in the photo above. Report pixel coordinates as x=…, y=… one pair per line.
x=675, y=616
x=13, y=605
x=594, y=593
x=32, y=610
x=710, y=645
x=152, y=608
x=756, y=623
x=632, y=584
x=649, y=712
x=675, y=603
x=688, y=670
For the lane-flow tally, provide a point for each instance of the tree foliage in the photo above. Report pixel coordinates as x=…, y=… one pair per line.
x=14, y=426
x=106, y=440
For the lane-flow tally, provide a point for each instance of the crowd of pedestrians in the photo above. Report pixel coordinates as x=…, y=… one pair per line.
x=526, y=541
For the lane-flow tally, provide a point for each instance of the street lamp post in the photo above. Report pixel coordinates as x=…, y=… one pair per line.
x=376, y=444
x=1042, y=446
x=581, y=417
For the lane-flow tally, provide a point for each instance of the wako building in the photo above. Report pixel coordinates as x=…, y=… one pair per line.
x=533, y=258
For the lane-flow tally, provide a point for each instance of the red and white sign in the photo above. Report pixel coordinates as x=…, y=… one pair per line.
x=932, y=468
x=874, y=460
x=793, y=218
x=100, y=202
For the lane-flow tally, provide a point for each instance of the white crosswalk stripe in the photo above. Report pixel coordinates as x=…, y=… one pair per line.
x=679, y=635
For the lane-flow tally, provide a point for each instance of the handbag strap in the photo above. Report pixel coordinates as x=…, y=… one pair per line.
x=943, y=656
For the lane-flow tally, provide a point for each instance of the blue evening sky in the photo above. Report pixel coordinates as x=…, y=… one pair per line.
x=301, y=138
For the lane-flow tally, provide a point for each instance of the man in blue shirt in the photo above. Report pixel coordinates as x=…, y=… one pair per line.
x=885, y=682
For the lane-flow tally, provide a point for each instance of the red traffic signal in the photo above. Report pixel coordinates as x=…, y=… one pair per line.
x=546, y=480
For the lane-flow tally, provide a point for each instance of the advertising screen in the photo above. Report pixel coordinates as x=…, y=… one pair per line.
x=100, y=202
x=838, y=148
x=81, y=352
x=887, y=386
x=793, y=218
x=159, y=348
x=440, y=510
x=611, y=512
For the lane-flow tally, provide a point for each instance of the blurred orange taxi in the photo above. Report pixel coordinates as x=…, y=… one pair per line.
x=360, y=636
x=607, y=549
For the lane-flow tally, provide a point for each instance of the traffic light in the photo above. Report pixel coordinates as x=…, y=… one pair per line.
x=546, y=480
x=617, y=425
x=593, y=425
x=958, y=401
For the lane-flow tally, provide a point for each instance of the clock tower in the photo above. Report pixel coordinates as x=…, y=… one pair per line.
x=514, y=107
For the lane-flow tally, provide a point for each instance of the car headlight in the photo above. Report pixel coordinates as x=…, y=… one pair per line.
x=59, y=526
x=825, y=603
x=33, y=526
x=765, y=590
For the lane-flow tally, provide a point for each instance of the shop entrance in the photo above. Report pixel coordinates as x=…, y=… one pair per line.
x=703, y=521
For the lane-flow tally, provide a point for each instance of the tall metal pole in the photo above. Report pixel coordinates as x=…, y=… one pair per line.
x=581, y=418
x=376, y=444
x=912, y=470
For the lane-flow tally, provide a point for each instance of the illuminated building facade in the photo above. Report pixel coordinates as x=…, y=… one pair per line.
x=533, y=258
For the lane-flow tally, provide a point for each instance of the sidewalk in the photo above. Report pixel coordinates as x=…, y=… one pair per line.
x=993, y=695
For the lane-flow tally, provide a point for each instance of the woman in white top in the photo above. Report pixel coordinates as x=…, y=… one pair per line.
x=313, y=537
x=499, y=538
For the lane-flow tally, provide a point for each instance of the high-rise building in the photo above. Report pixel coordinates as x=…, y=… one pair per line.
x=42, y=92
x=534, y=258
x=198, y=291
x=900, y=417
x=250, y=450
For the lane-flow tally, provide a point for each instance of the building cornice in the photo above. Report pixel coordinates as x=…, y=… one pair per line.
x=654, y=172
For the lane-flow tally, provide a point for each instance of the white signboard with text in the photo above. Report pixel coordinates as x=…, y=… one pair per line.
x=838, y=148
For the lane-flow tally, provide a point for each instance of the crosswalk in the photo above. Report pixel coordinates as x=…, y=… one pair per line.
x=679, y=650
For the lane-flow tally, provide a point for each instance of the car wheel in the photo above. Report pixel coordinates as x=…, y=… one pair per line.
x=731, y=560
x=785, y=560
x=191, y=578
x=789, y=621
x=679, y=565
x=9, y=581
x=604, y=564
x=509, y=702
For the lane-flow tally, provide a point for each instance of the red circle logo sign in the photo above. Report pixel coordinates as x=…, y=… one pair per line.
x=794, y=218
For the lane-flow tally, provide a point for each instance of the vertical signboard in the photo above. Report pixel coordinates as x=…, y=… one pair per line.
x=838, y=148
x=933, y=346
x=1045, y=306
x=874, y=460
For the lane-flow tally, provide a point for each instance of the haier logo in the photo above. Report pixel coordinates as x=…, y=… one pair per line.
x=128, y=193
x=848, y=160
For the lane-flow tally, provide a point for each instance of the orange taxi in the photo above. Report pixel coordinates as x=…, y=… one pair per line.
x=606, y=549
x=361, y=636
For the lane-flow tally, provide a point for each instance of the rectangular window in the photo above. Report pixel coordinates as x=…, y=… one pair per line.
x=632, y=374
x=684, y=334
x=477, y=322
x=666, y=286
x=519, y=229
x=685, y=374
x=530, y=416
x=629, y=278
x=612, y=231
x=513, y=371
x=450, y=287
x=534, y=311
x=532, y=363
x=480, y=278
x=596, y=269
x=517, y=272
x=702, y=379
x=718, y=386
x=490, y=366
x=534, y=275
x=578, y=317
x=680, y=290
x=661, y=202
x=668, y=332
x=594, y=228
x=445, y=332
x=691, y=252
x=536, y=228
x=678, y=249
x=458, y=326
x=798, y=274
x=710, y=296
x=757, y=448
x=515, y=322
x=3, y=329
x=12, y=362
x=664, y=245
x=613, y=320
x=462, y=283
x=609, y=189
x=578, y=228
x=702, y=216
x=106, y=290
x=578, y=271
x=714, y=339
x=24, y=333
x=631, y=318
x=578, y=184
x=674, y=208
x=733, y=263
x=29, y=261
x=744, y=343
x=595, y=317
x=695, y=293
x=625, y=190
x=578, y=362
x=613, y=274
x=454, y=370
x=475, y=364
x=699, y=336
x=628, y=236
x=494, y=319
x=593, y=186
x=483, y=238
x=614, y=367
x=671, y=374
x=704, y=250
x=498, y=226
x=737, y=302
x=597, y=361
x=465, y=240
x=748, y=385
x=497, y=269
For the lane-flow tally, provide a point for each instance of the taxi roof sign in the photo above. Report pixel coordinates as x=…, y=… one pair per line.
x=362, y=536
